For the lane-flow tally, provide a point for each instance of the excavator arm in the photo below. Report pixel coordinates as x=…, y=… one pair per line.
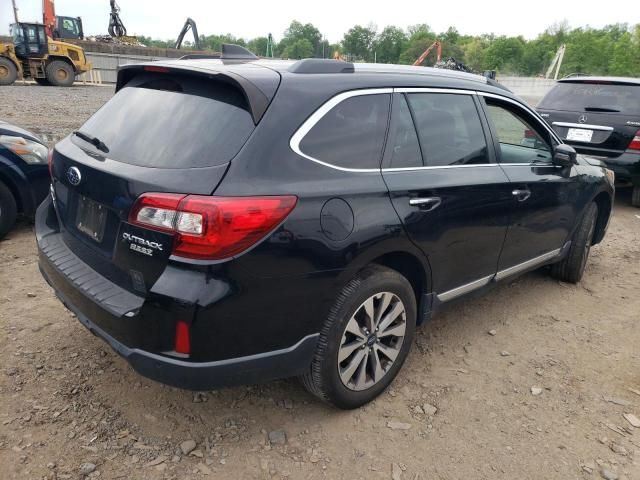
x=190, y=24
x=424, y=55
x=49, y=17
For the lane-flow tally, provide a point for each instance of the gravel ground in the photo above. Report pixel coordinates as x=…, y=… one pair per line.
x=530, y=381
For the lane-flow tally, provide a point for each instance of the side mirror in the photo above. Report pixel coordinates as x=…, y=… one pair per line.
x=564, y=155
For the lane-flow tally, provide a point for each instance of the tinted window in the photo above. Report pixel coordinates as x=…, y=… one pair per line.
x=449, y=129
x=403, y=149
x=173, y=122
x=519, y=142
x=593, y=97
x=352, y=134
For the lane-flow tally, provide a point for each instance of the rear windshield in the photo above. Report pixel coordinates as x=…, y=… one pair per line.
x=172, y=122
x=593, y=97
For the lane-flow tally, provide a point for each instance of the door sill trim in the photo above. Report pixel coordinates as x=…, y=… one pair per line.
x=469, y=287
x=508, y=272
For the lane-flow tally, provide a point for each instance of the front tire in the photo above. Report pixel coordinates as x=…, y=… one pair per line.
x=365, y=340
x=60, y=74
x=8, y=210
x=635, y=196
x=571, y=268
x=8, y=71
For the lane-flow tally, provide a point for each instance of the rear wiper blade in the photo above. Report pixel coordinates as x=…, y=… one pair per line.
x=601, y=109
x=95, y=141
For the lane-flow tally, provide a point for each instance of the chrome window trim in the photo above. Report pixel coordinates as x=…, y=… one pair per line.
x=535, y=114
x=453, y=91
x=508, y=272
x=469, y=287
x=583, y=126
x=316, y=116
x=437, y=167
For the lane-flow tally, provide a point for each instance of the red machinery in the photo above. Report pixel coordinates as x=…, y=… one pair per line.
x=424, y=55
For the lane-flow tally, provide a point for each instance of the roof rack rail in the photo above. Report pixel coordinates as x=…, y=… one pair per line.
x=321, y=65
x=229, y=52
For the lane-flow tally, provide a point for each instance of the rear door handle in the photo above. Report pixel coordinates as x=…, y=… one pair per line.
x=521, y=194
x=426, y=203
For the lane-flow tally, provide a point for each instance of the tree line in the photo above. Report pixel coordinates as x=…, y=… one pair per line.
x=611, y=50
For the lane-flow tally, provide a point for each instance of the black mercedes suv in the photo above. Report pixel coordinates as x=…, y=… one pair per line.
x=234, y=220
x=600, y=117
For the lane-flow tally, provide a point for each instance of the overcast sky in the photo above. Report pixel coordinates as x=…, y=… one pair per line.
x=252, y=18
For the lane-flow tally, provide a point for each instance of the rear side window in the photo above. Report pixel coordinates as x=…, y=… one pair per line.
x=449, y=129
x=351, y=134
x=593, y=97
x=173, y=122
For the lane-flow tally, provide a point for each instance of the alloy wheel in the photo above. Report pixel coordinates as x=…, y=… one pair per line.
x=371, y=341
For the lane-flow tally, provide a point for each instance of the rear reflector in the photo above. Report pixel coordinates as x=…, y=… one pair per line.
x=211, y=228
x=635, y=143
x=183, y=337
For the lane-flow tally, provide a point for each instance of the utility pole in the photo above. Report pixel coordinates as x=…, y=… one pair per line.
x=15, y=10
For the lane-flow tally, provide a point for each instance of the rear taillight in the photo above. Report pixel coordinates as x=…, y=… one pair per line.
x=50, y=162
x=635, y=143
x=211, y=228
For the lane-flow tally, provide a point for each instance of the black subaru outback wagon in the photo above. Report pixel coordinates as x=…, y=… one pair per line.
x=231, y=221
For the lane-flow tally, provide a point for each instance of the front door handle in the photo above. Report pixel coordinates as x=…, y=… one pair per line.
x=521, y=194
x=426, y=203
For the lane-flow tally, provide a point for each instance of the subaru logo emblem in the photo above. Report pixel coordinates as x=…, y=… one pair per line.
x=74, y=176
x=582, y=119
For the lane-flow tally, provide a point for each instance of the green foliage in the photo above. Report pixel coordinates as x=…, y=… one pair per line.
x=611, y=50
x=358, y=43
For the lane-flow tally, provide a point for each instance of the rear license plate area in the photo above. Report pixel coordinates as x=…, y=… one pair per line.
x=91, y=218
x=579, y=135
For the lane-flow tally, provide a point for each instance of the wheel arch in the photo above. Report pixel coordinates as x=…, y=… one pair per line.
x=604, y=202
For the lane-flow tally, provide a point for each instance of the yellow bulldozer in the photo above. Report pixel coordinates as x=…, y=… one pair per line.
x=33, y=54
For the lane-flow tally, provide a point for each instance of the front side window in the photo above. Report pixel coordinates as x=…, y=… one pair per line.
x=449, y=129
x=351, y=134
x=519, y=141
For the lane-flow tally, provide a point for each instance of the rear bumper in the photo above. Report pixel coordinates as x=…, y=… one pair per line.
x=111, y=312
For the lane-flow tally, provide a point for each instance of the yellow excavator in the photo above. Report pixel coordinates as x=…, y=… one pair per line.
x=34, y=54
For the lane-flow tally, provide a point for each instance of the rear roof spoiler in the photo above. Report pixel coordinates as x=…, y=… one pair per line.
x=258, y=98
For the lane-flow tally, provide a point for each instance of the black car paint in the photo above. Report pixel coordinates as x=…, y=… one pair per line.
x=28, y=183
x=275, y=297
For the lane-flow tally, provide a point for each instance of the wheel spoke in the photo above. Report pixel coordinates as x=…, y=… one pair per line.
x=348, y=349
x=354, y=329
x=384, y=304
x=395, y=330
x=350, y=369
x=361, y=375
x=369, y=310
x=376, y=367
x=389, y=352
x=390, y=317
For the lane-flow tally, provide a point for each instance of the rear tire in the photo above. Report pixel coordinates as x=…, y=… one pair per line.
x=8, y=71
x=42, y=81
x=571, y=268
x=635, y=196
x=370, y=329
x=8, y=210
x=60, y=74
